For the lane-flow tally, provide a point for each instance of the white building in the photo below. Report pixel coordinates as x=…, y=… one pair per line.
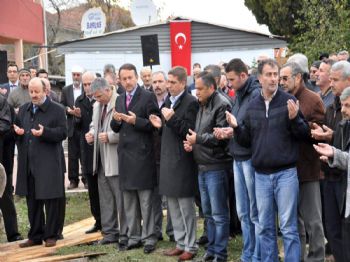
x=211, y=44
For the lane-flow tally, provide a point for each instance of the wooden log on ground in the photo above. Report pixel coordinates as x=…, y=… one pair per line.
x=66, y=257
x=75, y=235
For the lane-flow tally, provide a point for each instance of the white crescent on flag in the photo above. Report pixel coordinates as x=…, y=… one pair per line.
x=177, y=37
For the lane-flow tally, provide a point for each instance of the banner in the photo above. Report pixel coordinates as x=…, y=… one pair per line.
x=180, y=41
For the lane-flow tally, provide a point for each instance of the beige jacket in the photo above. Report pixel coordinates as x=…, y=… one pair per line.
x=108, y=151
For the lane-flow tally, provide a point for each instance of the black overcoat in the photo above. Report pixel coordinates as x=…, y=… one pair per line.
x=41, y=156
x=137, y=166
x=83, y=125
x=178, y=172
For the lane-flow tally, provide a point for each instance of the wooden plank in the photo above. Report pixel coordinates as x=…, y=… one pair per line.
x=66, y=257
x=75, y=235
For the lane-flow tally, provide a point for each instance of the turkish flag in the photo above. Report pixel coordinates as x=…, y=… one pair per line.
x=180, y=40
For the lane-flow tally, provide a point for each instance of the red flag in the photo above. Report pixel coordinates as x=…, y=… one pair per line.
x=180, y=39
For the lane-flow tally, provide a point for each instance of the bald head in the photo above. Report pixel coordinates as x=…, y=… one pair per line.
x=37, y=90
x=47, y=85
x=146, y=76
x=87, y=78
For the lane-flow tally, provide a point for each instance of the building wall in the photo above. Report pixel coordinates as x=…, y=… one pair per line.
x=205, y=38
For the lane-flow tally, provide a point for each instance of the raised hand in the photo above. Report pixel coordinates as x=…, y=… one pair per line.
x=89, y=137
x=155, y=121
x=167, y=113
x=38, y=132
x=191, y=137
x=293, y=108
x=321, y=133
x=324, y=149
x=19, y=131
x=231, y=119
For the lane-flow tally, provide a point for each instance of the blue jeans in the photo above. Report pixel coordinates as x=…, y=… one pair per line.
x=213, y=187
x=278, y=192
x=244, y=181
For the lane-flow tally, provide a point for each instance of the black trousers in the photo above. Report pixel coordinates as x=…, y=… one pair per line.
x=42, y=226
x=332, y=191
x=74, y=157
x=94, y=198
x=7, y=205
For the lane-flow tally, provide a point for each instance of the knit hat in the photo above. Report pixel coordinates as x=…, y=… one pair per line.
x=23, y=70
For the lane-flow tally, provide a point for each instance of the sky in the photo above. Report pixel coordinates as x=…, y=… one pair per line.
x=232, y=13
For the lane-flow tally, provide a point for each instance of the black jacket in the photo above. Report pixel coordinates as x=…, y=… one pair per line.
x=178, y=173
x=209, y=152
x=332, y=119
x=137, y=165
x=41, y=156
x=273, y=138
x=83, y=125
x=244, y=95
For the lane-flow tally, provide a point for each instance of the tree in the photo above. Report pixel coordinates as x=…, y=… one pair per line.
x=116, y=17
x=325, y=28
x=278, y=15
x=310, y=26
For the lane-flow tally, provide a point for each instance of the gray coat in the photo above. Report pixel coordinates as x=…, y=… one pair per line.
x=341, y=160
x=19, y=96
x=108, y=151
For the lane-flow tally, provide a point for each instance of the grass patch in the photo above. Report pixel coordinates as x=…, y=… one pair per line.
x=77, y=208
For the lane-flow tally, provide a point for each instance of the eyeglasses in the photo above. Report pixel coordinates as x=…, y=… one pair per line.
x=12, y=71
x=285, y=78
x=76, y=74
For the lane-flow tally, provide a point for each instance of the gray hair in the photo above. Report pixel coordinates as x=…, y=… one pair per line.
x=162, y=73
x=301, y=60
x=109, y=69
x=344, y=67
x=343, y=52
x=99, y=84
x=345, y=94
x=89, y=73
x=295, y=67
x=215, y=70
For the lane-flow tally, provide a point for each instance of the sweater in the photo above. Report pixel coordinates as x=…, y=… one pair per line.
x=273, y=137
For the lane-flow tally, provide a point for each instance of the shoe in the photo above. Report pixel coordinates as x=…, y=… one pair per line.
x=148, y=249
x=173, y=252
x=122, y=245
x=160, y=238
x=207, y=257
x=134, y=246
x=50, y=242
x=171, y=238
x=60, y=237
x=30, y=243
x=104, y=241
x=94, y=229
x=16, y=238
x=202, y=240
x=186, y=256
x=72, y=185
